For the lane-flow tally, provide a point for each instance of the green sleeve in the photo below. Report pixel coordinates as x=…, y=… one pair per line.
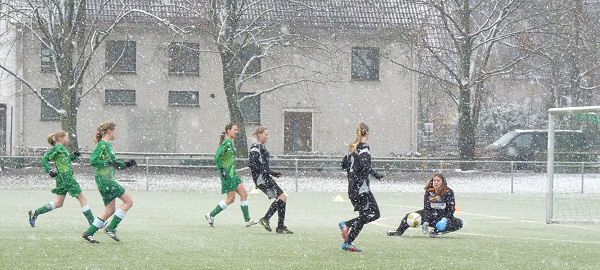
x=219, y=154
x=46, y=159
x=114, y=158
x=95, y=159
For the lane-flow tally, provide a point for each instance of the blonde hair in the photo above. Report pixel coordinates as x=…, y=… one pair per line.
x=53, y=138
x=227, y=128
x=259, y=130
x=361, y=131
x=102, y=129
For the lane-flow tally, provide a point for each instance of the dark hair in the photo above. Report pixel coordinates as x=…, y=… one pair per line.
x=53, y=138
x=361, y=130
x=444, y=183
x=227, y=128
x=102, y=129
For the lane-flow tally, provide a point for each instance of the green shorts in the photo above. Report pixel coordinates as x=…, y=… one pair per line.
x=65, y=183
x=230, y=184
x=110, y=190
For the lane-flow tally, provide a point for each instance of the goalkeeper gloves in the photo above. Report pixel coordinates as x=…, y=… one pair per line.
x=223, y=173
x=52, y=173
x=442, y=224
x=130, y=163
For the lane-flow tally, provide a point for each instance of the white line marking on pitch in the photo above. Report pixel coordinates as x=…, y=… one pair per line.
x=501, y=236
x=498, y=217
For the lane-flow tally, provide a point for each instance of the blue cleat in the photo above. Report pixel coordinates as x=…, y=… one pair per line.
x=350, y=247
x=344, y=229
x=32, y=218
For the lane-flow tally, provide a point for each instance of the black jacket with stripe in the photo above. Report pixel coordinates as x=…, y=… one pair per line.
x=439, y=205
x=359, y=170
x=259, y=165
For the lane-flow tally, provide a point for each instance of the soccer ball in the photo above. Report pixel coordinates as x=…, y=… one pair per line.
x=413, y=219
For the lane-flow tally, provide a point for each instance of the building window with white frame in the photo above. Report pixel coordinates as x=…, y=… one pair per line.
x=365, y=64
x=52, y=96
x=250, y=108
x=184, y=58
x=119, y=97
x=47, y=59
x=121, y=56
x=184, y=98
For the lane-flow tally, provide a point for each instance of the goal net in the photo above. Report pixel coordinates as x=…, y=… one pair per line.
x=573, y=165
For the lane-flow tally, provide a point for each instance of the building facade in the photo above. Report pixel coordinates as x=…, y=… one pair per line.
x=165, y=91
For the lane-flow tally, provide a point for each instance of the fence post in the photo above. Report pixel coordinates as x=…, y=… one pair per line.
x=512, y=177
x=147, y=178
x=296, y=173
x=582, y=172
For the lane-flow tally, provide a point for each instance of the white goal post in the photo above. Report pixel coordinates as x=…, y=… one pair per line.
x=578, y=201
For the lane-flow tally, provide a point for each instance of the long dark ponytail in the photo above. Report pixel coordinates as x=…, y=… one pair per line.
x=224, y=133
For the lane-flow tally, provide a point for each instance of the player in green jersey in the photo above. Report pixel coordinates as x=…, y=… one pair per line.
x=65, y=181
x=105, y=161
x=230, y=181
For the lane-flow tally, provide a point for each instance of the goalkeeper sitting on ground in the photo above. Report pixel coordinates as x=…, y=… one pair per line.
x=438, y=210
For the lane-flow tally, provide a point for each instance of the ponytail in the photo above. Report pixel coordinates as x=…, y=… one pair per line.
x=102, y=129
x=227, y=128
x=361, y=131
x=53, y=138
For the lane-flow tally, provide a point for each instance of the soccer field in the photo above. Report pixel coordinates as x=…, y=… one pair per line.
x=167, y=230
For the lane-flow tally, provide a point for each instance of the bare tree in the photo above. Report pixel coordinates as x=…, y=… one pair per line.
x=72, y=31
x=245, y=32
x=569, y=58
x=456, y=43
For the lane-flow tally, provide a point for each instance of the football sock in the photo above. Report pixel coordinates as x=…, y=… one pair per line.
x=244, y=206
x=272, y=209
x=119, y=215
x=96, y=225
x=87, y=212
x=220, y=207
x=281, y=214
x=46, y=208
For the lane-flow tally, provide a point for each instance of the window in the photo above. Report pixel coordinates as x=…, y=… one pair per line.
x=47, y=59
x=121, y=54
x=250, y=108
x=184, y=58
x=184, y=98
x=52, y=95
x=245, y=54
x=119, y=97
x=365, y=64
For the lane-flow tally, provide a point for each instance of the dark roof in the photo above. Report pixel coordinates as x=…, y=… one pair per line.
x=336, y=15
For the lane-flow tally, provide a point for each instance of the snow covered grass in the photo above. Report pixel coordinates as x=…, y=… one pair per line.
x=167, y=230
x=181, y=179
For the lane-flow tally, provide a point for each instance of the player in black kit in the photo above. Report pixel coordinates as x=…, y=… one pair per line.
x=263, y=179
x=358, y=166
x=438, y=210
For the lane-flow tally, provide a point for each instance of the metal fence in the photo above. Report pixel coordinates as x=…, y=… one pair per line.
x=152, y=170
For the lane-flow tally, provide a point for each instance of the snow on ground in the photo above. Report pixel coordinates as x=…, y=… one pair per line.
x=314, y=181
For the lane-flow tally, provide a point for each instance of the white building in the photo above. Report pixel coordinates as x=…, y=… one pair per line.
x=164, y=104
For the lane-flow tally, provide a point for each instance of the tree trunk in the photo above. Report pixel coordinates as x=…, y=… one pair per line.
x=69, y=101
x=233, y=104
x=466, y=131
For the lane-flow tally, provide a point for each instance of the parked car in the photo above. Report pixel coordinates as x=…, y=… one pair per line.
x=532, y=145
